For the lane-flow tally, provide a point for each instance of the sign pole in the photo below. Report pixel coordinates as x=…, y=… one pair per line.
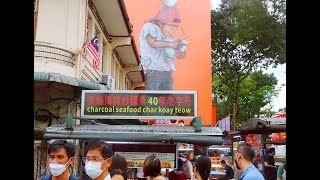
x=234, y=116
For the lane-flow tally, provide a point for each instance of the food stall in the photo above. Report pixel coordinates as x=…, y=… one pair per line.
x=217, y=154
x=136, y=152
x=133, y=141
x=270, y=132
x=185, y=148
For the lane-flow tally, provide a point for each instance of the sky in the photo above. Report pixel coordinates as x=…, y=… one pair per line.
x=279, y=73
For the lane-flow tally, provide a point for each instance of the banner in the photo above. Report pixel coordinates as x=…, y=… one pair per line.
x=137, y=104
x=281, y=136
x=254, y=140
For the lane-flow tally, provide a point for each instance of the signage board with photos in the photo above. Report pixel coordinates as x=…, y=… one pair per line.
x=136, y=153
x=136, y=159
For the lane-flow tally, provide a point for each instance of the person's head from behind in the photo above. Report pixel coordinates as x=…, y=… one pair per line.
x=271, y=151
x=168, y=19
x=203, y=167
x=118, y=174
x=179, y=164
x=152, y=166
x=119, y=162
x=244, y=155
x=61, y=156
x=223, y=163
x=97, y=158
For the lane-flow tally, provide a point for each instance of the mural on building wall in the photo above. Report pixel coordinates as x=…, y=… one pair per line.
x=174, y=42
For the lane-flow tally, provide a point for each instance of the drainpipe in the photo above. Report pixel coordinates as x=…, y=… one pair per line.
x=43, y=157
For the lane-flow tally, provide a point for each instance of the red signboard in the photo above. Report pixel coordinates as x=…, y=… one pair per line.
x=278, y=136
x=137, y=104
x=281, y=136
x=254, y=140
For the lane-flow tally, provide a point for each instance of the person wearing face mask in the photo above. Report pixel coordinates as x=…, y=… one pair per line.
x=61, y=157
x=244, y=161
x=98, y=160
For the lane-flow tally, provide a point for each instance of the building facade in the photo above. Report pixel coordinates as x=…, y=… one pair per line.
x=63, y=66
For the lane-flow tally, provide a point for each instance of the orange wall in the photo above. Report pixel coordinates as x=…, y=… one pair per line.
x=194, y=71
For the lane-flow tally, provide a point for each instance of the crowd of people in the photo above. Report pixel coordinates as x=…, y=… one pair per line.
x=101, y=164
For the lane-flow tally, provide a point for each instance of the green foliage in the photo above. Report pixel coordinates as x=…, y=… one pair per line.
x=266, y=30
x=248, y=35
x=256, y=91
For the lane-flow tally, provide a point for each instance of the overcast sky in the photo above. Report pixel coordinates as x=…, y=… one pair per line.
x=279, y=73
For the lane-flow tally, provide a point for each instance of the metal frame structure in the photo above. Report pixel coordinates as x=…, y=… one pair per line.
x=138, y=133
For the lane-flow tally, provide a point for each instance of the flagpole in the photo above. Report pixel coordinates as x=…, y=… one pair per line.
x=78, y=51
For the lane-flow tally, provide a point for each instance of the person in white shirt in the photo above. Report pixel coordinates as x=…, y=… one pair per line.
x=158, y=48
x=187, y=166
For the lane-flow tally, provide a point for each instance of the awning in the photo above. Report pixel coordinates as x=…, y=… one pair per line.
x=138, y=133
x=263, y=125
x=72, y=81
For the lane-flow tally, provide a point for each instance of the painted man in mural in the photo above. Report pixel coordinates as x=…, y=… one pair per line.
x=159, y=48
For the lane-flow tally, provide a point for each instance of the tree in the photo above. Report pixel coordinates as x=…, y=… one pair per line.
x=247, y=36
x=256, y=94
x=256, y=91
x=263, y=23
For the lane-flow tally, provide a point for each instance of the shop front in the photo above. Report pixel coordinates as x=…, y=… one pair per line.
x=264, y=133
x=135, y=142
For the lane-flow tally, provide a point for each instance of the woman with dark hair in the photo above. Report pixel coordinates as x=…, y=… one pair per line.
x=152, y=168
x=178, y=173
x=118, y=174
x=119, y=162
x=202, y=167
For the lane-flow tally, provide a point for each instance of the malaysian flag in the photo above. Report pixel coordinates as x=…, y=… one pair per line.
x=92, y=47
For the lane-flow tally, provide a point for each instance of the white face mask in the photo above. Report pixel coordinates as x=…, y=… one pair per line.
x=57, y=169
x=93, y=169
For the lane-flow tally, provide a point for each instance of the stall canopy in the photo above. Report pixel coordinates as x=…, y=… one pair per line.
x=138, y=133
x=263, y=125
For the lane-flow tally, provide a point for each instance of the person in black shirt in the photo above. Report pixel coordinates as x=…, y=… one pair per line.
x=270, y=170
x=228, y=169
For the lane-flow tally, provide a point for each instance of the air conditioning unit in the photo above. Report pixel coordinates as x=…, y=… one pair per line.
x=108, y=81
